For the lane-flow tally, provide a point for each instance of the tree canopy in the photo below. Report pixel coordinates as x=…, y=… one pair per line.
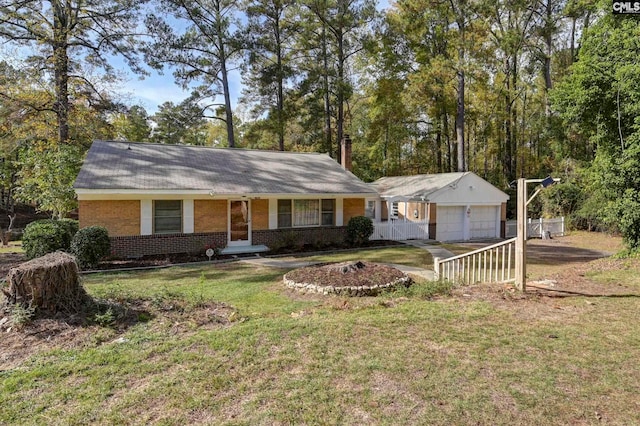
x=505, y=89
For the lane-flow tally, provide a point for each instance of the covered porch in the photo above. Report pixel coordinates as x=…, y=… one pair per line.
x=399, y=218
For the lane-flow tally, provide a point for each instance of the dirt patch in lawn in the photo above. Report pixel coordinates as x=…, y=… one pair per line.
x=19, y=342
x=10, y=260
x=557, y=269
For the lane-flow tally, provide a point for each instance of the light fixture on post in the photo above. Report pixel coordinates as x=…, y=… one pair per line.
x=521, y=238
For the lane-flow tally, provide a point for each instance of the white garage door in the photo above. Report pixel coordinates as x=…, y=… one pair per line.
x=450, y=226
x=483, y=222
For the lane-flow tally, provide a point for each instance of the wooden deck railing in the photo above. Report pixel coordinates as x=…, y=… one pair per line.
x=495, y=263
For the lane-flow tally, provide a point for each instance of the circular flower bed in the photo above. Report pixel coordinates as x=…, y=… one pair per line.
x=347, y=279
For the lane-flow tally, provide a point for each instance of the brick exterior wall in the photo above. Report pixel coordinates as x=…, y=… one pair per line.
x=352, y=207
x=319, y=235
x=143, y=245
x=120, y=217
x=260, y=215
x=210, y=216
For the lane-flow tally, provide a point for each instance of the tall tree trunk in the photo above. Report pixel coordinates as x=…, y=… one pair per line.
x=508, y=139
x=280, y=100
x=548, y=41
x=460, y=121
x=460, y=102
x=61, y=71
x=572, y=47
x=439, y=145
x=227, y=95
x=514, y=115
x=445, y=131
x=340, y=95
x=325, y=88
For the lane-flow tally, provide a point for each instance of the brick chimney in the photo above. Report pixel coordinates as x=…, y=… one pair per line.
x=345, y=153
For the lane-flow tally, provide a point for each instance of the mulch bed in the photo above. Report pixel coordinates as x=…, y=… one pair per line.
x=370, y=274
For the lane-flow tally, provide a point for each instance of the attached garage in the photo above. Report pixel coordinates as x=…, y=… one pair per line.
x=455, y=206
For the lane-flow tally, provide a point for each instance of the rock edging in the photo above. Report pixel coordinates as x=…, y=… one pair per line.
x=353, y=291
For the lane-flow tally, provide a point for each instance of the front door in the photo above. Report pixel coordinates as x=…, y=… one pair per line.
x=239, y=223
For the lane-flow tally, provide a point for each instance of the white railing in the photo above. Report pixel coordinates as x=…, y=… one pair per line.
x=400, y=230
x=536, y=228
x=492, y=264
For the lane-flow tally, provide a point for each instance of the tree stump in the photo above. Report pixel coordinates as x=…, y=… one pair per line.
x=50, y=283
x=347, y=267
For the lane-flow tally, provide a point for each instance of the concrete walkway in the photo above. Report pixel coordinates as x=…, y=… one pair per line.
x=289, y=263
x=435, y=250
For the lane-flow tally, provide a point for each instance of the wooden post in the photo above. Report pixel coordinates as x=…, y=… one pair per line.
x=436, y=268
x=521, y=238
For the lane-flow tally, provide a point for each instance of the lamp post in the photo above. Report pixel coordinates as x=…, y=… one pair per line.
x=521, y=238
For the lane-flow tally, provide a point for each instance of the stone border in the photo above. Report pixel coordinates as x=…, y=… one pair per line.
x=352, y=291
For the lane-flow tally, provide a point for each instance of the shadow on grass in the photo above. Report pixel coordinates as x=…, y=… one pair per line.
x=547, y=254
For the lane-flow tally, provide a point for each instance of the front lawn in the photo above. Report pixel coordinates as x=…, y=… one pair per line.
x=285, y=358
x=401, y=255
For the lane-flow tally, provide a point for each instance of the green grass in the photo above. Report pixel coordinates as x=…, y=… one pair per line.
x=402, y=358
x=13, y=247
x=402, y=255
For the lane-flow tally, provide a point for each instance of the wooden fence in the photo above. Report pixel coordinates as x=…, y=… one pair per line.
x=495, y=263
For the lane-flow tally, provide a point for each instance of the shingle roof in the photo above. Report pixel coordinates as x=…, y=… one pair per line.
x=143, y=166
x=415, y=186
x=437, y=186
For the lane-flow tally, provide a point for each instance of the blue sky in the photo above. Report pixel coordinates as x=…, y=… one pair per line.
x=153, y=90
x=156, y=89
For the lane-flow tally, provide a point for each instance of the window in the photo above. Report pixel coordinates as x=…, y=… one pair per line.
x=284, y=213
x=328, y=209
x=370, y=209
x=167, y=216
x=394, y=210
x=306, y=213
x=299, y=213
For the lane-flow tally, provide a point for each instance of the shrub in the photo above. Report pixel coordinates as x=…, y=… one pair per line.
x=45, y=236
x=72, y=226
x=359, y=229
x=89, y=245
x=289, y=240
